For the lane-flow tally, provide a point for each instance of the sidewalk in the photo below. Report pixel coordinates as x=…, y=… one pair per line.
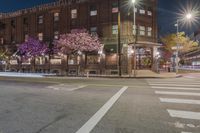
x=140, y=74
x=28, y=75
x=151, y=74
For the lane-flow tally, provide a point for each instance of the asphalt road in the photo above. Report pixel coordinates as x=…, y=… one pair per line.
x=99, y=105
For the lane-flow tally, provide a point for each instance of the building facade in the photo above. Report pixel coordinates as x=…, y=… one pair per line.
x=192, y=57
x=48, y=21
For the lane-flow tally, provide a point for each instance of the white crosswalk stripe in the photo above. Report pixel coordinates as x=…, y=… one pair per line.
x=184, y=114
x=176, y=94
x=177, y=85
x=184, y=83
x=185, y=101
x=175, y=88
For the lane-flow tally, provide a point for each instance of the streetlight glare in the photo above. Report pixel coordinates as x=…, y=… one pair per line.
x=189, y=16
x=133, y=1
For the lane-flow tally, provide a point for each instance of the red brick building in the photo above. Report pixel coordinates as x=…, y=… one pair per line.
x=98, y=16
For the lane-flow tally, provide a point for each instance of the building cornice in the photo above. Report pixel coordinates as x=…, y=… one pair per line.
x=39, y=8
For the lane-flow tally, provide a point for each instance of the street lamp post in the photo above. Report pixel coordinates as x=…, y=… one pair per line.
x=134, y=33
x=177, y=47
x=188, y=17
x=157, y=61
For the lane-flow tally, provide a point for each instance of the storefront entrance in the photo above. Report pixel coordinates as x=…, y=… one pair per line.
x=143, y=58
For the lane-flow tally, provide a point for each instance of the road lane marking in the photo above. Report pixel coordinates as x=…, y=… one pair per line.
x=183, y=85
x=66, y=87
x=93, y=121
x=184, y=114
x=186, y=132
x=185, y=101
x=77, y=88
x=175, y=88
x=177, y=93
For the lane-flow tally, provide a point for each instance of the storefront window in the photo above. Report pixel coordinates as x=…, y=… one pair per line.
x=111, y=59
x=92, y=59
x=72, y=60
x=55, y=61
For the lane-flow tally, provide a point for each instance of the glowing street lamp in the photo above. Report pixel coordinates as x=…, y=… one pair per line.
x=133, y=1
x=188, y=16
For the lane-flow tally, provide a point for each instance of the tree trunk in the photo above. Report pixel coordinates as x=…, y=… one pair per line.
x=7, y=65
x=33, y=65
x=49, y=63
x=67, y=65
x=85, y=60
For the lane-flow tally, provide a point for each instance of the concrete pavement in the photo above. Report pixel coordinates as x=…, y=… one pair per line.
x=112, y=105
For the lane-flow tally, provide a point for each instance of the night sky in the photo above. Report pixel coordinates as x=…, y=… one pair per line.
x=170, y=10
x=167, y=12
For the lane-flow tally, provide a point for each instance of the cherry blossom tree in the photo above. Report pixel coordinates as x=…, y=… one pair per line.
x=79, y=40
x=76, y=42
x=33, y=48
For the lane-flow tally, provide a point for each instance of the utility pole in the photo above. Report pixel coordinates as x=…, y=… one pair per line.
x=119, y=40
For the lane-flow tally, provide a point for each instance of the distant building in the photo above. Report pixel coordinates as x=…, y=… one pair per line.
x=193, y=57
x=50, y=20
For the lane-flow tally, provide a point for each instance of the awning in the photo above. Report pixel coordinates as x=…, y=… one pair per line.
x=110, y=48
x=146, y=43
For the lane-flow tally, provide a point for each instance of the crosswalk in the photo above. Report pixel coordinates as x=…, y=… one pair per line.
x=181, y=98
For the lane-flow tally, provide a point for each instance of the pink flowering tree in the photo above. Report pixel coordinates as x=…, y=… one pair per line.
x=33, y=48
x=79, y=40
x=76, y=42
